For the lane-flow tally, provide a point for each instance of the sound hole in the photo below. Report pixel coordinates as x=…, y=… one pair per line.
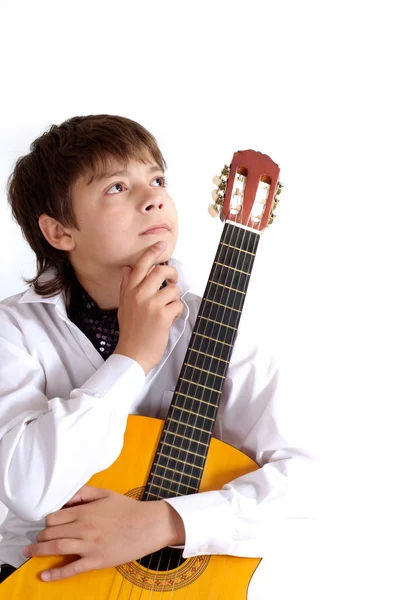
x=163, y=560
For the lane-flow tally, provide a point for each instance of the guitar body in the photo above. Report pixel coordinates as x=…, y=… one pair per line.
x=208, y=577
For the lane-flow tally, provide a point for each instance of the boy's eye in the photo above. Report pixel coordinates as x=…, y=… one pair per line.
x=117, y=186
x=160, y=181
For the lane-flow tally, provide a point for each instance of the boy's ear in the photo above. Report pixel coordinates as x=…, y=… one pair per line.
x=55, y=233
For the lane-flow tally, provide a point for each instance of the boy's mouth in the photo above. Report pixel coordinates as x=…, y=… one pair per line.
x=157, y=229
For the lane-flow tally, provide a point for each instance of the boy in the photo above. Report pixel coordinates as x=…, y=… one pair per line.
x=101, y=334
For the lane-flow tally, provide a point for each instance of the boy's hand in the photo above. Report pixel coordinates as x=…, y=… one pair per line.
x=107, y=530
x=145, y=312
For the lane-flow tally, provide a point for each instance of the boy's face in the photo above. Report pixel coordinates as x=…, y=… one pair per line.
x=115, y=213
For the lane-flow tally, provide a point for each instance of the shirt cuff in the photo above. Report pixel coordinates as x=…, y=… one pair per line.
x=118, y=380
x=208, y=521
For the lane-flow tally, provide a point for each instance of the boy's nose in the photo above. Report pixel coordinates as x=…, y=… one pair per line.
x=151, y=201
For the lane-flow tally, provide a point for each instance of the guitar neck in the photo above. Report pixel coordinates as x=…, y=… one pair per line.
x=184, y=443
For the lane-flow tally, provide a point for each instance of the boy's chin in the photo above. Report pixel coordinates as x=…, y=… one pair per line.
x=166, y=254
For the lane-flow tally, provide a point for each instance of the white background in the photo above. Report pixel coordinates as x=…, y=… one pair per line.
x=315, y=86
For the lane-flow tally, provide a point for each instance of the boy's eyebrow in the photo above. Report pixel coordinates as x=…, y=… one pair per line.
x=124, y=172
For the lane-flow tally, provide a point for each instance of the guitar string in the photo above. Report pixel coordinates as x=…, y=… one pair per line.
x=121, y=584
x=235, y=231
x=243, y=241
x=226, y=237
x=179, y=482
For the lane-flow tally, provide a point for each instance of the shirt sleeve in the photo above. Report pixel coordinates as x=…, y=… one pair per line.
x=43, y=439
x=249, y=515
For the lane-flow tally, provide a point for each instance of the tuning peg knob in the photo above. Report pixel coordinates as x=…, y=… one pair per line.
x=217, y=180
x=213, y=211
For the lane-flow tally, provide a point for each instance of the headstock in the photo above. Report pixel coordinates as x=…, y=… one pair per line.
x=247, y=191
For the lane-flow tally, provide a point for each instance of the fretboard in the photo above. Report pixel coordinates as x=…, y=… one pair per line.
x=182, y=450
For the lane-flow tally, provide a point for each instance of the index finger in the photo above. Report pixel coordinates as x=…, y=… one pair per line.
x=148, y=259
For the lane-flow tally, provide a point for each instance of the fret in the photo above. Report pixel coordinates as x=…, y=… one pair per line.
x=227, y=256
x=199, y=391
x=209, y=355
x=236, y=248
x=217, y=322
x=212, y=339
x=184, y=462
x=209, y=363
x=162, y=443
x=233, y=280
x=224, y=295
x=196, y=435
x=204, y=370
x=244, y=241
x=224, y=305
x=180, y=473
x=146, y=494
x=204, y=345
x=161, y=487
x=232, y=268
x=198, y=399
x=220, y=314
x=200, y=385
x=189, y=425
x=226, y=287
x=178, y=483
x=216, y=333
x=190, y=414
x=184, y=437
x=205, y=381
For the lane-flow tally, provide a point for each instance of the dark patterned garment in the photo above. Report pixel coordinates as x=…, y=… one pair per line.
x=100, y=326
x=5, y=571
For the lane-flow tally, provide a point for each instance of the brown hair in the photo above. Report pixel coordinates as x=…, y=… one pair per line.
x=42, y=181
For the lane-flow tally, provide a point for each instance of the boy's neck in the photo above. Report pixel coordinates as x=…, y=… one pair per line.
x=103, y=289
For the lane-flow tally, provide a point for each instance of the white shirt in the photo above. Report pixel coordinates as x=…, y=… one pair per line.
x=63, y=413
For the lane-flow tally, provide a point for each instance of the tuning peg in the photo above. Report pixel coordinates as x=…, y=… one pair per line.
x=279, y=187
x=213, y=210
x=225, y=173
x=278, y=190
x=218, y=196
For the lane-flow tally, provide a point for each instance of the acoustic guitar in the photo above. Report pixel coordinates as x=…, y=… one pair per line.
x=179, y=456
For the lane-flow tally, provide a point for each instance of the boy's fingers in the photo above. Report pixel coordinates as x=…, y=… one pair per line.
x=74, y=568
x=148, y=259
